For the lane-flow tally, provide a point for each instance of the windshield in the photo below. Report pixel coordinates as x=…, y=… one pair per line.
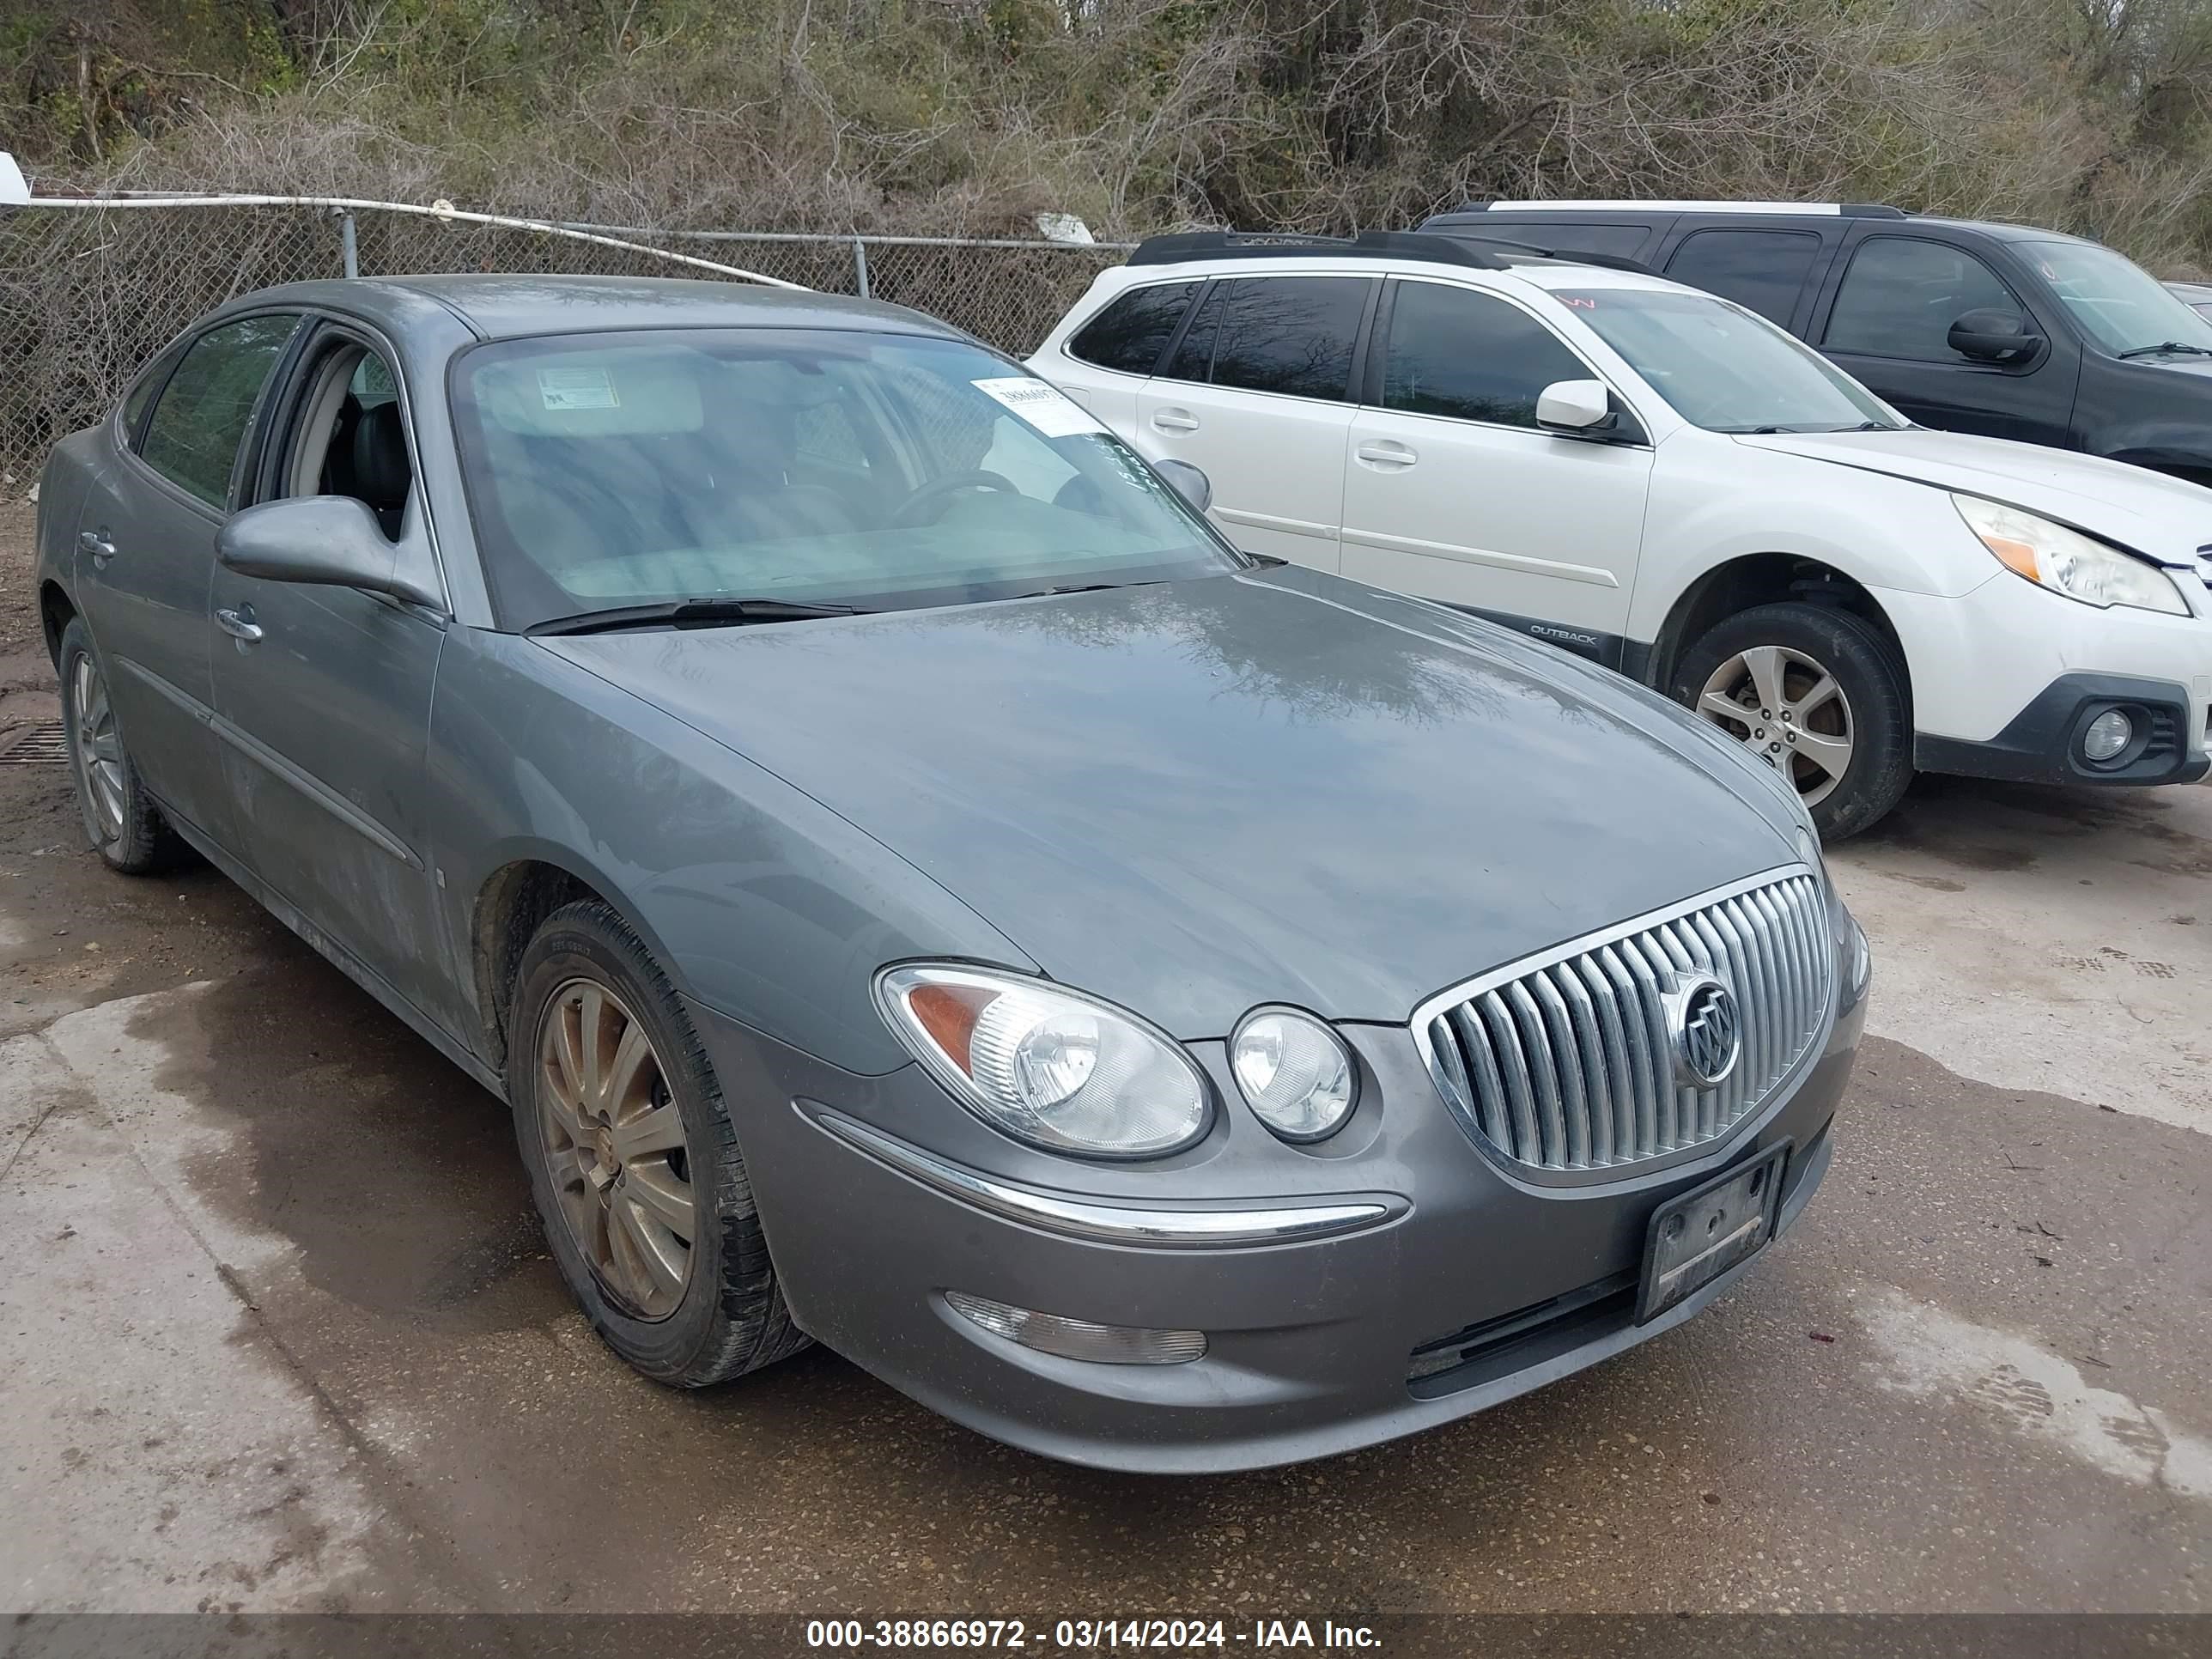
x=2122, y=306
x=870, y=469
x=1723, y=369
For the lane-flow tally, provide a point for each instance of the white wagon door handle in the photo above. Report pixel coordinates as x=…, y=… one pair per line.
x=1174, y=420
x=1385, y=455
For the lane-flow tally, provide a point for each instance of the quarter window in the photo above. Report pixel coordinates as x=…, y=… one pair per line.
x=1130, y=334
x=1761, y=271
x=1292, y=335
x=193, y=436
x=1452, y=351
x=1901, y=296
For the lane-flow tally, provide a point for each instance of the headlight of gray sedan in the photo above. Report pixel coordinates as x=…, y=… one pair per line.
x=1295, y=1073
x=1047, y=1066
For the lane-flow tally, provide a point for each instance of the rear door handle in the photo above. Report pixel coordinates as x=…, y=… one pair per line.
x=1387, y=455
x=240, y=627
x=1174, y=420
x=95, y=543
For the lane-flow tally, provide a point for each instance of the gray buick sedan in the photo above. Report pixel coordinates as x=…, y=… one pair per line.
x=919, y=889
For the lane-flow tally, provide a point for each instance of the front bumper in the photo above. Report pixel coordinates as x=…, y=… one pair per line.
x=1311, y=1345
x=2005, y=679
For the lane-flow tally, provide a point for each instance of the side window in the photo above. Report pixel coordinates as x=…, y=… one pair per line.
x=1901, y=296
x=142, y=393
x=1615, y=241
x=372, y=383
x=1130, y=334
x=1452, y=351
x=1291, y=334
x=197, y=427
x=1760, y=270
x=1194, y=358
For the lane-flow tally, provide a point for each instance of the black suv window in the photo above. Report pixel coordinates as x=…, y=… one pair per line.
x=1130, y=334
x=204, y=410
x=1901, y=296
x=1289, y=334
x=1619, y=241
x=1453, y=351
x=1760, y=270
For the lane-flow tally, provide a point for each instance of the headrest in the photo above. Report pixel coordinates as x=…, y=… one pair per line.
x=591, y=394
x=380, y=471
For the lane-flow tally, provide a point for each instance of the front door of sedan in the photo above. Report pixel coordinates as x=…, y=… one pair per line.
x=322, y=693
x=1453, y=492
x=146, y=553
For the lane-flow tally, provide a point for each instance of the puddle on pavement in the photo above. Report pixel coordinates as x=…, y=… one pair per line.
x=394, y=1175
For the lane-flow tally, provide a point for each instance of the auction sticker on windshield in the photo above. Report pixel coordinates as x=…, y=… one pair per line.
x=1047, y=408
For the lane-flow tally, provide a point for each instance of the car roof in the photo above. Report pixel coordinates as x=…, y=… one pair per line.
x=1502, y=214
x=509, y=305
x=1563, y=271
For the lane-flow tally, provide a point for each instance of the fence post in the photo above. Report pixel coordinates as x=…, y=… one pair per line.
x=860, y=266
x=347, y=251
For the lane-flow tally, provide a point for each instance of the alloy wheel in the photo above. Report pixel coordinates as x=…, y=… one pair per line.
x=616, y=1149
x=97, y=751
x=1788, y=710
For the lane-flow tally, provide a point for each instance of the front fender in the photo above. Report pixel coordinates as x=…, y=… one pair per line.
x=757, y=901
x=1881, y=531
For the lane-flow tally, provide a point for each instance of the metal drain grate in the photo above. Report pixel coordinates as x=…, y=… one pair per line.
x=42, y=744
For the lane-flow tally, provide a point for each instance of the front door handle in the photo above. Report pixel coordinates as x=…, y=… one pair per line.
x=95, y=543
x=1389, y=456
x=241, y=626
x=1174, y=420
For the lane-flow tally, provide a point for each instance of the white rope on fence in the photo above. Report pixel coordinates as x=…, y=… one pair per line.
x=443, y=211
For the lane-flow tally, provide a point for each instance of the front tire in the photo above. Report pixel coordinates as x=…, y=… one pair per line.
x=121, y=822
x=632, y=1160
x=1818, y=694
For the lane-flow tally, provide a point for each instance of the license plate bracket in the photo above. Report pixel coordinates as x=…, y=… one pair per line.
x=1694, y=1239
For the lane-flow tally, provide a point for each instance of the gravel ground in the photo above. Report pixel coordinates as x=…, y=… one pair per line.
x=277, y=1332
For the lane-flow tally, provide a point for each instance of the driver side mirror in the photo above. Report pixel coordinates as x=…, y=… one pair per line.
x=1993, y=335
x=331, y=540
x=1577, y=409
x=1188, y=482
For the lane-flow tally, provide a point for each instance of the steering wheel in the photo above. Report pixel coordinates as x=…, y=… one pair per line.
x=908, y=514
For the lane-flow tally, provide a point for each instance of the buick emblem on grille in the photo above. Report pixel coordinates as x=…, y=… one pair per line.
x=1706, y=1029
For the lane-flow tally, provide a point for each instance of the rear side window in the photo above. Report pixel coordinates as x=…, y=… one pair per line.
x=1901, y=296
x=1473, y=357
x=135, y=400
x=193, y=436
x=1292, y=335
x=1761, y=271
x=1130, y=334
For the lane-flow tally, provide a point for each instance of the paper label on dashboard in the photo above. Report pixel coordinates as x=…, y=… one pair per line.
x=577, y=388
x=1047, y=408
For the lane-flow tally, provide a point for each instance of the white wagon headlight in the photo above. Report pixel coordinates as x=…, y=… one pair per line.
x=1047, y=1066
x=2066, y=561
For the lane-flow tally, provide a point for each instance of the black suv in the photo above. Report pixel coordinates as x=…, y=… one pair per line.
x=2002, y=330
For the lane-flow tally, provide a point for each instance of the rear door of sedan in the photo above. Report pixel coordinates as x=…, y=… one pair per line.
x=146, y=554
x=322, y=693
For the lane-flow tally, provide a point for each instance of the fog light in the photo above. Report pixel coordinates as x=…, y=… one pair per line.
x=2108, y=734
x=1079, y=1338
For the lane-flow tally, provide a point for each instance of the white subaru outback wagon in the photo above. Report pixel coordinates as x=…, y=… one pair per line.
x=1667, y=483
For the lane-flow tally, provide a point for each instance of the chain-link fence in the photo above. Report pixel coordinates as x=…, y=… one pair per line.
x=87, y=293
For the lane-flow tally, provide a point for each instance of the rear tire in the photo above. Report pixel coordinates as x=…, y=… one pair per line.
x=1817, y=692
x=632, y=1160
x=121, y=822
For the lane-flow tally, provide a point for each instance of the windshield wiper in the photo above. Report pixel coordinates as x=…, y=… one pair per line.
x=691, y=613
x=1081, y=587
x=2170, y=345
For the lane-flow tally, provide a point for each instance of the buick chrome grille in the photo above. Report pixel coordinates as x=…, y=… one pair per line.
x=1586, y=1056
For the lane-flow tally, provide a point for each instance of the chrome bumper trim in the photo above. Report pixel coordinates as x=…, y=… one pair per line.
x=1115, y=1224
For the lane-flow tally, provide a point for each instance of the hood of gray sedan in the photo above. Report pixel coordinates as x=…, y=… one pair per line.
x=1191, y=798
